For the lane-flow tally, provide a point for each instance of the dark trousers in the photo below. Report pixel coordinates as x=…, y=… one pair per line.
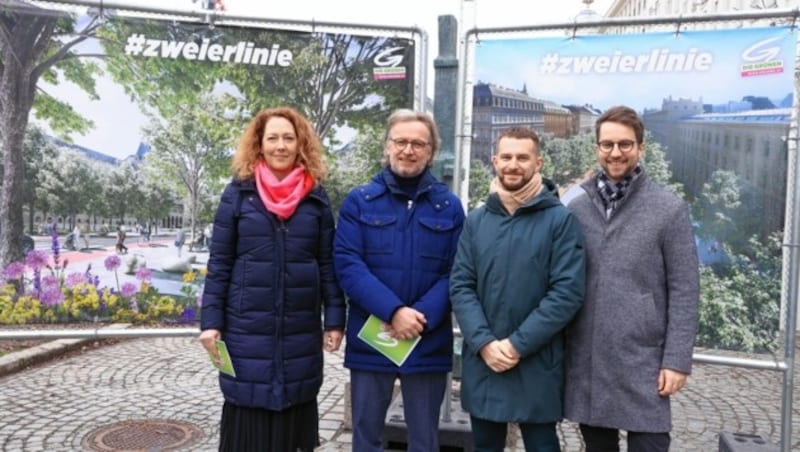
x=371, y=394
x=490, y=436
x=601, y=439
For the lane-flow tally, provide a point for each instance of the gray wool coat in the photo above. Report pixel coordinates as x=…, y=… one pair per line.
x=641, y=308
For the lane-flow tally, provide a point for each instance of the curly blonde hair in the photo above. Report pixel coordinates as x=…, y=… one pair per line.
x=309, y=148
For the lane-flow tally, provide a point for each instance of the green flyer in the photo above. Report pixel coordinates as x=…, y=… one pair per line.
x=374, y=334
x=227, y=365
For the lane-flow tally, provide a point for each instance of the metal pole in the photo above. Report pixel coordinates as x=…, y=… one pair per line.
x=422, y=86
x=205, y=15
x=791, y=244
x=99, y=333
x=788, y=13
x=761, y=364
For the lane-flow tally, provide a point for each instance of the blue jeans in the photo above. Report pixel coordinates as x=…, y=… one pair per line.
x=371, y=394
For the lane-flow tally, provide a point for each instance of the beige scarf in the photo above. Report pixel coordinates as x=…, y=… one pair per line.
x=513, y=199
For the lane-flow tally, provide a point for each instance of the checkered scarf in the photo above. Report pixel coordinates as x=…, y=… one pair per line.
x=612, y=193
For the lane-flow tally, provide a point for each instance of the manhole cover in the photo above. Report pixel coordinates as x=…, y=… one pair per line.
x=143, y=435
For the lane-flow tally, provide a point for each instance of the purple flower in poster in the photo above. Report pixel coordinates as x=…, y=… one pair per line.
x=73, y=279
x=188, y=315
x=49, y=282
x=37, y=259
x=144, y=274
x=54, y=243
x=128, y=289
x=112, y=262
x=37, y=281
x=14, y=270
x=51, y=296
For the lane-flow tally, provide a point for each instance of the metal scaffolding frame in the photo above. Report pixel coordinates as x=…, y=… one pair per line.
x=791, y=246
x=461, y=173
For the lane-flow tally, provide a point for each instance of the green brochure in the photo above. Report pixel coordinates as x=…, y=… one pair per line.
x=227, y=365
x=375, y=335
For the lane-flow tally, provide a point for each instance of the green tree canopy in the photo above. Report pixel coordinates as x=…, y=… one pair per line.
x=35, y=45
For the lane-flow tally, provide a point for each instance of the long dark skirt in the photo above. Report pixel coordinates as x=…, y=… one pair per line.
x=255, y=429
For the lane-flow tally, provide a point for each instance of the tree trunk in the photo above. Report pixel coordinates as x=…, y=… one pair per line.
x=31, y=214
x=16, y=90
x=22, y=42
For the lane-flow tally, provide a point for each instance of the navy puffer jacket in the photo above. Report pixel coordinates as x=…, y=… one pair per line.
x=270, y=287
x=393, y=251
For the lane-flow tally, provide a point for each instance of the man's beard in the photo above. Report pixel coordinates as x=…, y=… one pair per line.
x=517, y=185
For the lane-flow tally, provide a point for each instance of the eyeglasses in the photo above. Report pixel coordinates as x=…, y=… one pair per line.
x=607, y=146
x=401, y=144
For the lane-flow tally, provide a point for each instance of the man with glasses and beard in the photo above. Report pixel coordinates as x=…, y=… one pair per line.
x=630, y=347
x=517, y=280
x=393, y=250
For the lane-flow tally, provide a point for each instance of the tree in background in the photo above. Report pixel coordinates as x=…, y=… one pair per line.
x=567, y=160
x=158, y=195
x=193, y=149
x=658, y=167
x=480, y=176
x=35, y=45
x=716, y=203
x=70, y=184
x=37, y=153
x=740, y=307
x=355, y=164
x=122, y=191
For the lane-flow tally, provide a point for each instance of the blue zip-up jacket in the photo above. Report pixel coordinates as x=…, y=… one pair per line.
x=270, y=284
x=392, y=251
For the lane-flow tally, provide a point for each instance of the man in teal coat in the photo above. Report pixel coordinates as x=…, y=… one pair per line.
x=517, y=280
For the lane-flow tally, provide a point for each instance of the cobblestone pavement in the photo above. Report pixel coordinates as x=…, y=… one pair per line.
x=55, y=405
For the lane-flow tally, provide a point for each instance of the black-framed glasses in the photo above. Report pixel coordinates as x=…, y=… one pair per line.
x=607, y=146
x=401, y=144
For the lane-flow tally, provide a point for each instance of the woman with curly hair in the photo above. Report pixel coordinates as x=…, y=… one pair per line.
x=271, y=294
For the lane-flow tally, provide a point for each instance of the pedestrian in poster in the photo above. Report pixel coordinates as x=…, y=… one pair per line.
x=121, y=236
x=148, y=230
x=180, y=239
x=517, y=281
x=394, y=247
x=630, y=347
x=271, y=293
x=207, y=235
x=78, y=235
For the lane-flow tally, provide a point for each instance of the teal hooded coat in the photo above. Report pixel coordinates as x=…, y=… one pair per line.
x=520, y=277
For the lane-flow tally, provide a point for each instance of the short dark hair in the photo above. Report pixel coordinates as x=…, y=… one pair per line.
x=520, y=133
x=623, y=115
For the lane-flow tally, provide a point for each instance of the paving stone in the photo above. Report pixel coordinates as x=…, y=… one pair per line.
x=53, y=405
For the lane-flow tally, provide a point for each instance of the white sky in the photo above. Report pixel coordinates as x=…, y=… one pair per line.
x=117, y=132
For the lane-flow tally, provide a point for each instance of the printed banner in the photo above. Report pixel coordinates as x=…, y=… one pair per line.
x=125, y=127
x=716, y=105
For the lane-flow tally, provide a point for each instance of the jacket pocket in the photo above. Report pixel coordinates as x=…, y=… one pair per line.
x=651, y=327
x=435, y=237
x=378, y=233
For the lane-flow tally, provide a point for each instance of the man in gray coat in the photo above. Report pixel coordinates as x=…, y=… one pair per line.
x=630, y=347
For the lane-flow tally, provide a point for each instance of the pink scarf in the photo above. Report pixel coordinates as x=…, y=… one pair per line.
x=281, y=197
